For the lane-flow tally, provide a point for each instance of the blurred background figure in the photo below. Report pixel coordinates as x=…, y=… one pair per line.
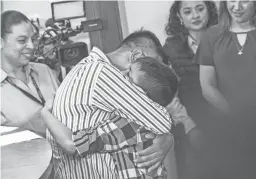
x=187, y=21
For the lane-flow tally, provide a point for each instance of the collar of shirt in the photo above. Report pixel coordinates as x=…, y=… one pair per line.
x=28, y=69
x=192, y=44
x=96, y=53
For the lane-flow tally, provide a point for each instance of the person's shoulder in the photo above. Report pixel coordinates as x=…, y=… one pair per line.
x=253, y=32
x=214, y=32
x=38, y=66
x=173, y=41
x=215, y=29
x=176, y=46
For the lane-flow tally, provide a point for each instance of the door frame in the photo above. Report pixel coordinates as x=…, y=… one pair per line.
x=111, y=36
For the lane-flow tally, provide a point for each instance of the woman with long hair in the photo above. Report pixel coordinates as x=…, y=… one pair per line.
x=227, y=58
x=187, y=21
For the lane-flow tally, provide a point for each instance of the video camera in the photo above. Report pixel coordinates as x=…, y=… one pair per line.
x=54, y=45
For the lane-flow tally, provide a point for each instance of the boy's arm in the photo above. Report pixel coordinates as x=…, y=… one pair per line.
x=179, y=114
x=116, y=134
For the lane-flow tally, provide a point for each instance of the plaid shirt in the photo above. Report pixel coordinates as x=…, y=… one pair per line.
x=122, y=139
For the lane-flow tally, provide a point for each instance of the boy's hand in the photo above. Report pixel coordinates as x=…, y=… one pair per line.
x=154, y=156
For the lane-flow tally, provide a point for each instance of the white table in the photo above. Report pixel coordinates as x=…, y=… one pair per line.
x=26, y=158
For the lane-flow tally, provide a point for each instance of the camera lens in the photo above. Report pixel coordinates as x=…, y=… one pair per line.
x=71, y=53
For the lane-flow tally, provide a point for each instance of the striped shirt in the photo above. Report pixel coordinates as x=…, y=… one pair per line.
x=91, y=92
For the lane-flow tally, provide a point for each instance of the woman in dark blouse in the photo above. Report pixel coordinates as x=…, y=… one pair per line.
x=187, y=21
x=227, y=57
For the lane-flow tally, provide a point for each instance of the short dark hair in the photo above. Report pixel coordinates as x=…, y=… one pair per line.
x=225, y=18
x=142, y=38
x=145, y=39
x=158, y=80
x=174, y=27
x=10, y=18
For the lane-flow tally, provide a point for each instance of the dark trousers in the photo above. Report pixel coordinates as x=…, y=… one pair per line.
x=189, y=159
x=231, y=145
x=229, y=149
x=191, y=162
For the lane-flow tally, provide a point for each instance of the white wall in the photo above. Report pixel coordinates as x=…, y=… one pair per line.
x=30, y=8
x=152, y=15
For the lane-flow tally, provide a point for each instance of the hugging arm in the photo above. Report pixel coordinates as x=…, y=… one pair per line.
x=61, y=133
x=154, y=156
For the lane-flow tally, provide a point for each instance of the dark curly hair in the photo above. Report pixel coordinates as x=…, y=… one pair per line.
x=174, y=26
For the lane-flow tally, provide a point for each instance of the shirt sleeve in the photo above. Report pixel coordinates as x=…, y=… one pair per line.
x=116, y=134
x=204, y=55
x=179, y=114
x=119, y=95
